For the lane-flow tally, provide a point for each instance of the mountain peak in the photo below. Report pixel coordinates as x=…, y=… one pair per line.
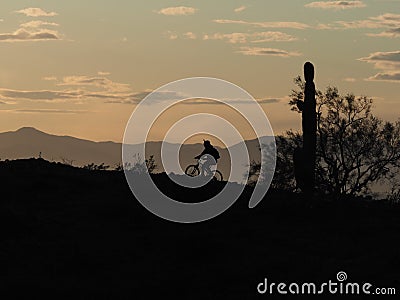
x=28, y=129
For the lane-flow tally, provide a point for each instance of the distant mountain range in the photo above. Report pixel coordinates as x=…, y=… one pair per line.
x=29, y=142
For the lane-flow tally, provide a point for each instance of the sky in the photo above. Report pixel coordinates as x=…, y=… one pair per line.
x=81, y=67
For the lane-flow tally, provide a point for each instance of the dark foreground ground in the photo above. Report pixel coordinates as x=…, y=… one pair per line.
x=69, y=233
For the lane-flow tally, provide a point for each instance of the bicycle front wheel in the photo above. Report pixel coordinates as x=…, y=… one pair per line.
x=192, y=171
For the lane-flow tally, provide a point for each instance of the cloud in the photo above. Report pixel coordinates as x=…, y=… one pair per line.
x=177, y=11
x=391, y=22
x=357, y=24
x=171, y=35
x=349, y=79
x=257, y=51
x=36, y=12
x=269, y=100
x=381, y=21
x=25, y=35
x=231, y=101
x=388, y=62
x=129, y=98
x=86, y=88
x=50, y=111
x=50, y=78
x=38, y=23
x=233, y=38
x=336, y=5
x=386, y=76
x=190, y=35
x=89, y=87
x=387, y=19
x=156, y=97
x=45, y=95
x=59, y=96
x=293, y=25
x=391, y=33
x=32, y=31
x=101, y=73
x=107, y=96
x=239, y=9
x=95, y=81
x=256, y=37
x=385, y=58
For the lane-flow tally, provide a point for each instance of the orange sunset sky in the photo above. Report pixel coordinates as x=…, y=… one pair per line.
x=80, y=67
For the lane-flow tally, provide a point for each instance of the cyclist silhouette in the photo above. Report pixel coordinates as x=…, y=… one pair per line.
x=210, y=150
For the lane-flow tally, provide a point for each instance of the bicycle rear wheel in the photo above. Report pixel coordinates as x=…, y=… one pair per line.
x=218, y=176
x=192, y=171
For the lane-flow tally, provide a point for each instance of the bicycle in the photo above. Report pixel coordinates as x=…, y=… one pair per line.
x=196, y=170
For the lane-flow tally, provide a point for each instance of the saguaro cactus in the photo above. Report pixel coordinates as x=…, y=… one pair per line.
x=309, y=123
x=305, y=165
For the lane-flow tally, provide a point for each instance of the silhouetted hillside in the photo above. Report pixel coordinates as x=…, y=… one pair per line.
x=71, y=233
x=29, y=142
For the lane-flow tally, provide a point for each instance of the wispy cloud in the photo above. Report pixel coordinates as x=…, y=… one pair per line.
x=50, y=78
x=386, y=76
x=44, y=95
x=349, y=79
x=190, y=35
x=95, y=81
x=156, y=97
x=258, y=51
x=231, y=101
x=177, y=11
x=383, y=60
x=336, y=5
x=78, y=88
x=269, y=100
x=387, y=62
x=358, y=24
x=132, y=98
x=27, y=35
x=239, y=9
x=70, y=96
x=390, y=33
x=293, y=25
x=388, y=21
x=171, y=35
x=36, y=12
x=32, y=31
x=50, y=111
x=38, y=23
x=256, y=37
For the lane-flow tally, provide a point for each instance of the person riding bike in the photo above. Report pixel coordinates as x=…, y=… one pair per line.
x=210, y=150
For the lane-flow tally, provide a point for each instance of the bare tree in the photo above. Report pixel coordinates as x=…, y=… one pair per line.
x=354, y=148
